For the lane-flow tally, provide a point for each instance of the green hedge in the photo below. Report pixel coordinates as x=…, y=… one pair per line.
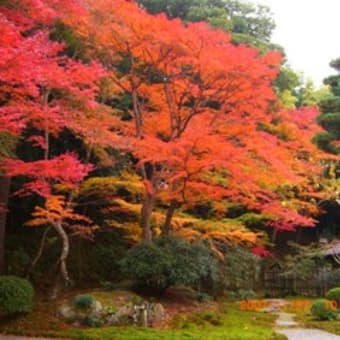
x=169, y=261
x=322, y=310
x=16, y=295
x=334, y=294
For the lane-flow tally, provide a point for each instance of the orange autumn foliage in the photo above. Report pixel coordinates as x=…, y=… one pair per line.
x=197, y=106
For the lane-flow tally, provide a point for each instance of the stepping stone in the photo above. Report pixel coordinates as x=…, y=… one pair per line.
x=285, y=320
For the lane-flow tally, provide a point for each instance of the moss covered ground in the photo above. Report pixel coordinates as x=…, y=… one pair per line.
x=226, y=321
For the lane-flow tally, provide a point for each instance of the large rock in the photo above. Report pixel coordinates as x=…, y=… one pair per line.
x=143, y=314
x=112, y=320
x=156, y=312
x=67, y=312
x=126, y=310
x=71, y=314
x=96, y=309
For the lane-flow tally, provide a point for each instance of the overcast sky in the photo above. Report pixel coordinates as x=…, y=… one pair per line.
x=310, y=33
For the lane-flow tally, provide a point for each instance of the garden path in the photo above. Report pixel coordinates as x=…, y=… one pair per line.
x=286, y=325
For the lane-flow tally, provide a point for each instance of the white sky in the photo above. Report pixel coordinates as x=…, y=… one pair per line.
x=309, y=31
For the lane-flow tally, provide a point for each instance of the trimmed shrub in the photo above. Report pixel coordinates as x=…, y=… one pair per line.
x=334, y=294
x=168, y=261
x=16, y=295
x=322, y=310
x=203, y=297
x=91, y=321
x=84, y=301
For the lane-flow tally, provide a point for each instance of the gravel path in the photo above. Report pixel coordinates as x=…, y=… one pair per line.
x=286, y=325
x=306, y=334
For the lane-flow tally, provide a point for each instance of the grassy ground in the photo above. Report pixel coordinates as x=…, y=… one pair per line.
x=230, y=324
x=224, y=322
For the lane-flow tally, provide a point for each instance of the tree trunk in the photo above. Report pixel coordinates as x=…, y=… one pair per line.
x=274, y=235
x=62, y=276
x=146, y=212
x=138, y=115
x=169, y=215
x=5, y=183
x=39, y=252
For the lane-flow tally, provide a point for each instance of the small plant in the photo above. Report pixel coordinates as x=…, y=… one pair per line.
x=241, y=294
x=322, y=310
x=203, y=297
x=334, y=294
x=16, y=295
x=213, y=318
x=246, y=294
x=91, y=321
x=136, y=300
x=110, y=309
x=107, y=285
x=84, y=301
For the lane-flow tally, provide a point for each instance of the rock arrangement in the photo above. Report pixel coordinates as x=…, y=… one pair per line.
x=96, y=315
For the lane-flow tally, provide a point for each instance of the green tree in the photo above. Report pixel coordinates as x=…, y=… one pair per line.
x=306, y=94
x=285, y=84
x=330, y=114
x=242, y=18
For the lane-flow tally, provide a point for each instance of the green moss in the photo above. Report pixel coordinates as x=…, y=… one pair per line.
x=232, y=324
x=228, y=323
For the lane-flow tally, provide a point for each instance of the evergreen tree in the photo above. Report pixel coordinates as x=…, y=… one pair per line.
x=330, y=114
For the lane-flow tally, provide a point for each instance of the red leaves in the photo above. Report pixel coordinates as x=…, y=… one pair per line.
x=206, y=112
x=197, y=113
x=286, y=219
x=65, y=169
x=260, y=251
x=31, y=68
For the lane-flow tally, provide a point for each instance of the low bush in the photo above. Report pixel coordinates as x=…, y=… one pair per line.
x=168, y=261
x=84, y=301
x=322, y=310
x=16, y=295
x=91, y=321
x=241, y=294
x=203, y=297
x=334, y=294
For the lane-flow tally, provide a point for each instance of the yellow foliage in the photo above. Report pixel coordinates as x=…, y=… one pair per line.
x=108, y=186
x=57, y=210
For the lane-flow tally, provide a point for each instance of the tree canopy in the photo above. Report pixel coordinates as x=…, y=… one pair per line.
x=154, y=118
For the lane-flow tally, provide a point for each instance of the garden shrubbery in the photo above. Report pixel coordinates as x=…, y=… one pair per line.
x=83, y=301
x=237, y=273
x=169, y=261
x=16, y=295
x=334, y=294
x=322, y=310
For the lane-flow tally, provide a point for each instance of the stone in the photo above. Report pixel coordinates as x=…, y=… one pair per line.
x=67, y=312
x=156, y=312
x=96, y=309
x=112, y=320
x=127, y=310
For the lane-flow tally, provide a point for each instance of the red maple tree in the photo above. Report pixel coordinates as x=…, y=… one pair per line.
x=43, y=92
x=197, y=103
